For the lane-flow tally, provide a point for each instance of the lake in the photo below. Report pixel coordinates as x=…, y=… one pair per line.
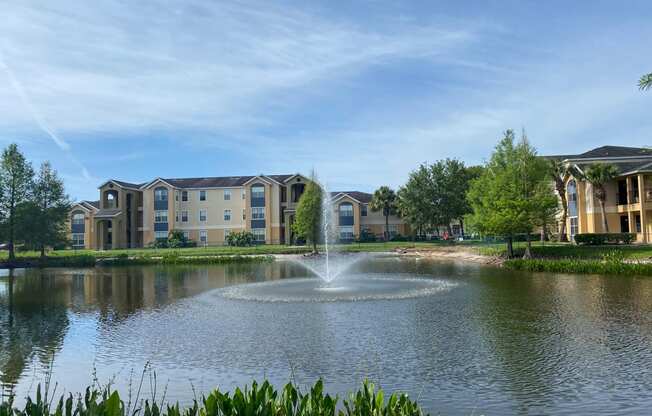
x=461, y=338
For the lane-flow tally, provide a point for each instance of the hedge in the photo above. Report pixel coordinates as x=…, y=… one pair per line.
x=596, y=239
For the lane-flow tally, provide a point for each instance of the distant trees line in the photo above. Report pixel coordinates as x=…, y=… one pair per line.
x=33, y=204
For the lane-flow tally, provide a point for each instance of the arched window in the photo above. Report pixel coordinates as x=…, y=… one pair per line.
x=78, y=218
x=111, y=199
x=571, y=196
x=161, y=194
x=346, y=209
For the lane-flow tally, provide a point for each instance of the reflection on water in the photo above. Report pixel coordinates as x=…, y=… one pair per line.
x=497, y=342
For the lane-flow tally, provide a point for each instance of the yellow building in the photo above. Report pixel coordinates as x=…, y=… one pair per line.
x=206, y=210
x=629, y=195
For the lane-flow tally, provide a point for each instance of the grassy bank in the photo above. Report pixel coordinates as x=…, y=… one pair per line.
x=584, y=266
x=550, y=250
x=255, y=400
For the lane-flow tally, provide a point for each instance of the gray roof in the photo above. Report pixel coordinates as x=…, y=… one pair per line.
x=107, y=213
x=609, y=151
x=218, y=181
x=363, y=197
x=624, y=166
x=128, y=184
x=95, y=204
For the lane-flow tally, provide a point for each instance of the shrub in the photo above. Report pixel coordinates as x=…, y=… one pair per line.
x=240, y=239
x=595, y=239
x=366, y=236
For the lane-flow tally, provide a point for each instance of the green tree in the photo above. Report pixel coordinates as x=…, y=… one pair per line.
x=308, y=218
x=645, y=83
x=598, y=174
x=384, y=199
x=45, y=215
x=560, y=173
x=509, y=196
x=16, y=177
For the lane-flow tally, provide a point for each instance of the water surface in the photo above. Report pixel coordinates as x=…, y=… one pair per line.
x=492, y=342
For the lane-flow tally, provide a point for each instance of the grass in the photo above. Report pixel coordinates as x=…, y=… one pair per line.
x=580, y=266
x=255, y=400
x=551, y=250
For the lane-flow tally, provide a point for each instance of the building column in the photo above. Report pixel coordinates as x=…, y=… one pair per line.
x=641, y=198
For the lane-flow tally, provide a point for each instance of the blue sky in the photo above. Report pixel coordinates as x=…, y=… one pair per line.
x=362, y=93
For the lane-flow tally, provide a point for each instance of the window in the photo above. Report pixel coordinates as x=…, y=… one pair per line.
x=202, y=215
x=160, y=194
x=257, y=192
x=573, y=227
x=160, y=216
x=363, y=210
x=161, y=235
x=78, y=240
x=227, y=194
x=203, y=237
x=393, y=230
x=227, y=215
x=346, y=233
x=176, y=216
x=184, y=196
x=184, y=216
x=571, y=196
x=258, y=213
x=202, y=195
x=186, y=235
x=78, y=218
x=346, y=210
x=259, y=234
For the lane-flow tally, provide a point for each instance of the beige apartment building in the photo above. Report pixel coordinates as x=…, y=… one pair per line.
x=206, y=210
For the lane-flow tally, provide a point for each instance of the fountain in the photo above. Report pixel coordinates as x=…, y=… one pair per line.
x=337, y=279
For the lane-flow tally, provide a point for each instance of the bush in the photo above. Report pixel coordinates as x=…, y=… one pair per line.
x=596, y=239
x=366, y=236
x=240, y=239
x=256, y=400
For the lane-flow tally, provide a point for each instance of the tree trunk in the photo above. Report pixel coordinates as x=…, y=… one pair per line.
x=605, y=224
x=510, y=247
x=528, y=247
x=314, y=247
x=43, y=251
x=564, y=218
x=462, y=228
x=12, y=252
x=386, y=227
x=449, y=229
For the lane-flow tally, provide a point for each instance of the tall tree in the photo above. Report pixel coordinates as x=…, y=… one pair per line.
x=46, y=213
x=414, y=201
x=308, y=218
x=16, y=176
x=560, y=173
x=645, y=83
x=598, y=174
x=384, y=199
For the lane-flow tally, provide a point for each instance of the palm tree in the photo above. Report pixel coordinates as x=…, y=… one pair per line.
x=645, y=83
x=598, y=174
x=384, y=200
x=560, y=173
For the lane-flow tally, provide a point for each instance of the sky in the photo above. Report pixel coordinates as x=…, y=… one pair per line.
x=360, y=92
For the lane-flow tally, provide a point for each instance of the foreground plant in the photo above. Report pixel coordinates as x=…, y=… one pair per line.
x=258, y=399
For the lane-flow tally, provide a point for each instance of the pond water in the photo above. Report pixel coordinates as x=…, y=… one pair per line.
x=462, y=338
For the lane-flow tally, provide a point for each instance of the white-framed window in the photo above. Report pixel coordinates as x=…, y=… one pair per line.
x=161, y=235
x=227, y=215
x=78, y=218
x=184, y=216
x=259, y=234
x=227, y=194
x=184, y=196
x=202, y=195
x=244, y=194
x=203, y=215
x=574, y=225
x=78, y=240
x=186, y=235
x=203, y=237
x=160, y=194
x=160, y=216
x=346, y=210
x=346, y=232
x=257, y=192
x=257, y=213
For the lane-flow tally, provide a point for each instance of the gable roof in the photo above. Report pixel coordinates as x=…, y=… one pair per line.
x=362, y=197
x=216, y=181
x=123, y=184
x=604, y=152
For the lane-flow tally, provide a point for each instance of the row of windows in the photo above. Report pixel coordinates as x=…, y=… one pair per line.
x=78, y=240
x=257, y=213
x=161, y=194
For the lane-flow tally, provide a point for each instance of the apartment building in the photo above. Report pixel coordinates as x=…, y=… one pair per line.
x=629, y=194
x=206, y=210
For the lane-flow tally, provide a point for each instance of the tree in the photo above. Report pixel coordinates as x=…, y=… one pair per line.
x=513, y=190
x=414, y=202
x=645, y=83
x=598, y=174
x=560, y=173
x=308, y=218
x=384, y=199
x=44, y=215
x=16, y=176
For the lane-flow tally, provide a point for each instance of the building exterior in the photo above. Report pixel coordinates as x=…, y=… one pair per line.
x=629, y=195
x=206, y=210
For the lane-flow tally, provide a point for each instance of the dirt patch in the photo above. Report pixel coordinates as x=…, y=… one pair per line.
x=452, y=253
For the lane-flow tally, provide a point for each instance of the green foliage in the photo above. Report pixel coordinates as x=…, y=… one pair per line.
x=366, y=236
x=384, y=200
x=606, y=266
x=645, y=83
x=308, y=217
x=176, y=239
x=255, y=400
x=595, y=239
x=240, y=239
x=598, y=174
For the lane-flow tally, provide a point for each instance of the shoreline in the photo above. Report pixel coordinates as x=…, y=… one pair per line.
x=452, y=253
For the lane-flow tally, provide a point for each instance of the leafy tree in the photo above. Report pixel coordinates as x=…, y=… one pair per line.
x=308, y=218
x=16, y=176
x=645, y=83
x=560, y=173
x=510, y=195
x=598, y=174
x=412, y=202
x=44, y=216
x=384, y=199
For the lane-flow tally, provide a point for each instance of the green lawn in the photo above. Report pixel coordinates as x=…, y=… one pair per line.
x=564, y=250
